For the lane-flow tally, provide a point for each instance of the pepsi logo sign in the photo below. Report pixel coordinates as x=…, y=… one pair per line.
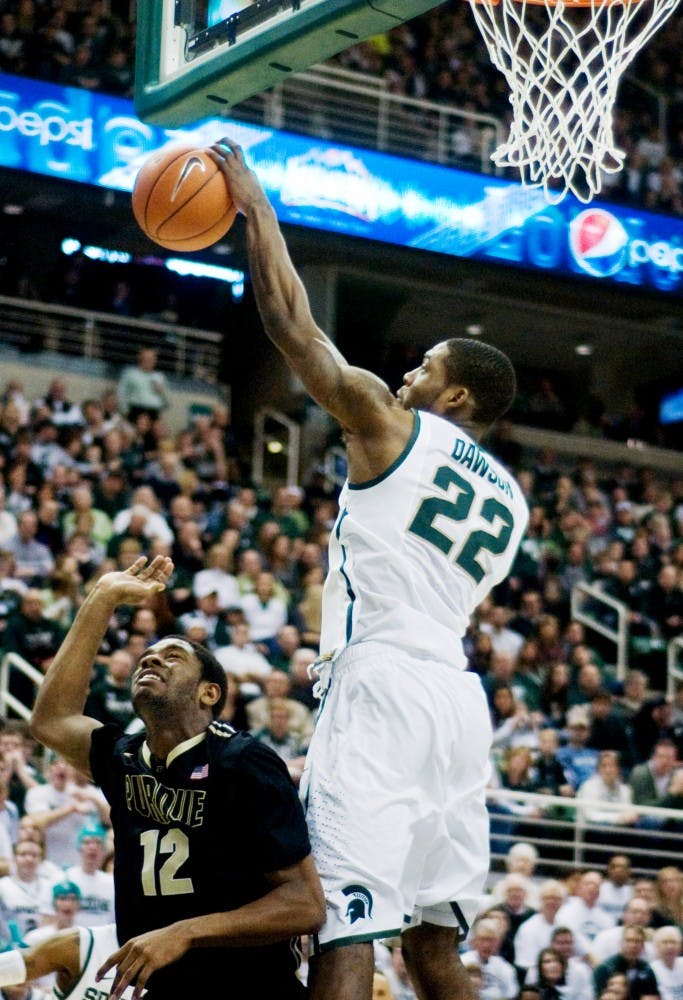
x=598, y=242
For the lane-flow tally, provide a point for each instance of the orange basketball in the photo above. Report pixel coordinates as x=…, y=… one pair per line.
x=181, y=199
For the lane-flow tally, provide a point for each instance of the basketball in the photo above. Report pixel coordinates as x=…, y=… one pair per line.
x=181, y=199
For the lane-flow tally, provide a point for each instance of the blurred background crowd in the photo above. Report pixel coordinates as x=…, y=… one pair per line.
x=439, y=57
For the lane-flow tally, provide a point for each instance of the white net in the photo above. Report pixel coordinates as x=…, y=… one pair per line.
x=563, y=62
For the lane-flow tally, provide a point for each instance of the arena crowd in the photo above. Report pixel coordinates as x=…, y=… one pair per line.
x=439, y=56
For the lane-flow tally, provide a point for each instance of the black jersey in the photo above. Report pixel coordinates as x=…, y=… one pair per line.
x=194, y=834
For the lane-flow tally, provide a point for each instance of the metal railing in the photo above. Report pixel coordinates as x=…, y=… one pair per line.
x=618, y=635
x=333, y=103
x=8, y=702
x=674, y=664
x=35, y=327
x=566, y=842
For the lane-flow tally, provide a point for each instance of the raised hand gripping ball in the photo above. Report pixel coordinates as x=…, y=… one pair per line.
x=181, y=199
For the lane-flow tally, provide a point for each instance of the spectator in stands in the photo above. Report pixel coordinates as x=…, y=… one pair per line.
x=282, y=646
x=588, y=680
x=607, y=788
x=522, y=859
x=218, y=576
x=536, y=932
x=629, y=960
x=278, y=736
x=551, y=977
x=652, y=725
x=8, y=521
x=578, y=759
x=513, y=724
x=302, y=677
x=109, y=700
x=668, y=907
x=145, y=506
x=609, y=731
x=21, y=774
x=529, y=615
x=34, y=638
x=241, y=657
x=551, y=775
x=668, y=965
x=579, y=980
x=33, y=561
x=617, y=888
x=25, y=896
x=650, y=782
x=62, y=412
x=87, y=518
x=582, y=912
x=265, y=612
x=142, y=388
x=635, y=693
x=96, y=886
x=277, y=685
x=636, y=913
x=664, y=603
x=60, y=807
x=500, y=978
x=503, y=639
x=208, y=614
x=515, y=905
x=554, y=695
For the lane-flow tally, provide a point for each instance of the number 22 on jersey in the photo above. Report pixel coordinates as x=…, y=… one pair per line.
x=456, y=505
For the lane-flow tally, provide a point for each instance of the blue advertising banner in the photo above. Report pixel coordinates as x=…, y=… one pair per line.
x=96, y=139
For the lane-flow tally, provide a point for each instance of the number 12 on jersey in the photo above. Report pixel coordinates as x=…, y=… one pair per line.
x=165, y=882
x=457, y=507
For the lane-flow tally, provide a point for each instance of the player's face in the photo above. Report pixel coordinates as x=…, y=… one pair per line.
x=425, y=387
x=167, y=674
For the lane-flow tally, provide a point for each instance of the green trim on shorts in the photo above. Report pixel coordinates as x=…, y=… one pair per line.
x=359, y=939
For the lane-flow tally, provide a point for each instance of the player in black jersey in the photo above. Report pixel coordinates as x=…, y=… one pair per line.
x=212, y=868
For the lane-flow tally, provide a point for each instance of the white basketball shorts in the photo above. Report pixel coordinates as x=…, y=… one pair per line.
x=394, y=791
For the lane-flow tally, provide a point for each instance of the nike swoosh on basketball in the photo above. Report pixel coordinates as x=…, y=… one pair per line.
x=190, y=164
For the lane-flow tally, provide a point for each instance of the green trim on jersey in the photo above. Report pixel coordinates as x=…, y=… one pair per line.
x=356, y=939
x=397, y=461
x=91, y=945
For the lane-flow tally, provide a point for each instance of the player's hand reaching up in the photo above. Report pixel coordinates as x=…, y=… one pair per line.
x=245, y=188
x=137, y=583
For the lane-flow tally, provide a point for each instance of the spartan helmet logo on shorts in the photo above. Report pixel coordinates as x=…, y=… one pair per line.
x=360, y=903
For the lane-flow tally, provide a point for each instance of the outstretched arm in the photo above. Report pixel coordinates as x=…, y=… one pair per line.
x=58, y=720
x=356, y=398
x=59, y=953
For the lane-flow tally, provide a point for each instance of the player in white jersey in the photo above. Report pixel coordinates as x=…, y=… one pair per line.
x=429, y=522
x=75, y=956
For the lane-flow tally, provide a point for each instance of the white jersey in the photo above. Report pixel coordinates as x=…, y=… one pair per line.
x=415, y=550
x=96, y=945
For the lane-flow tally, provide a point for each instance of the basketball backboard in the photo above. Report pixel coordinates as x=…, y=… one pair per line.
x=195, y=58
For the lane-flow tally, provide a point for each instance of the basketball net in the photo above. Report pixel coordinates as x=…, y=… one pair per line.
x=563, y=61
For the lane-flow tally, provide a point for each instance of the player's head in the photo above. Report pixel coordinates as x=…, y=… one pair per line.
x=461, y=379
x=176, y=675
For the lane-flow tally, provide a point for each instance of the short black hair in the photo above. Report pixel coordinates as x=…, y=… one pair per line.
x=486, y=372
x=211, y=671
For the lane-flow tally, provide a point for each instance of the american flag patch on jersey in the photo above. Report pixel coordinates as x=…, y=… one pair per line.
x=200, y=771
